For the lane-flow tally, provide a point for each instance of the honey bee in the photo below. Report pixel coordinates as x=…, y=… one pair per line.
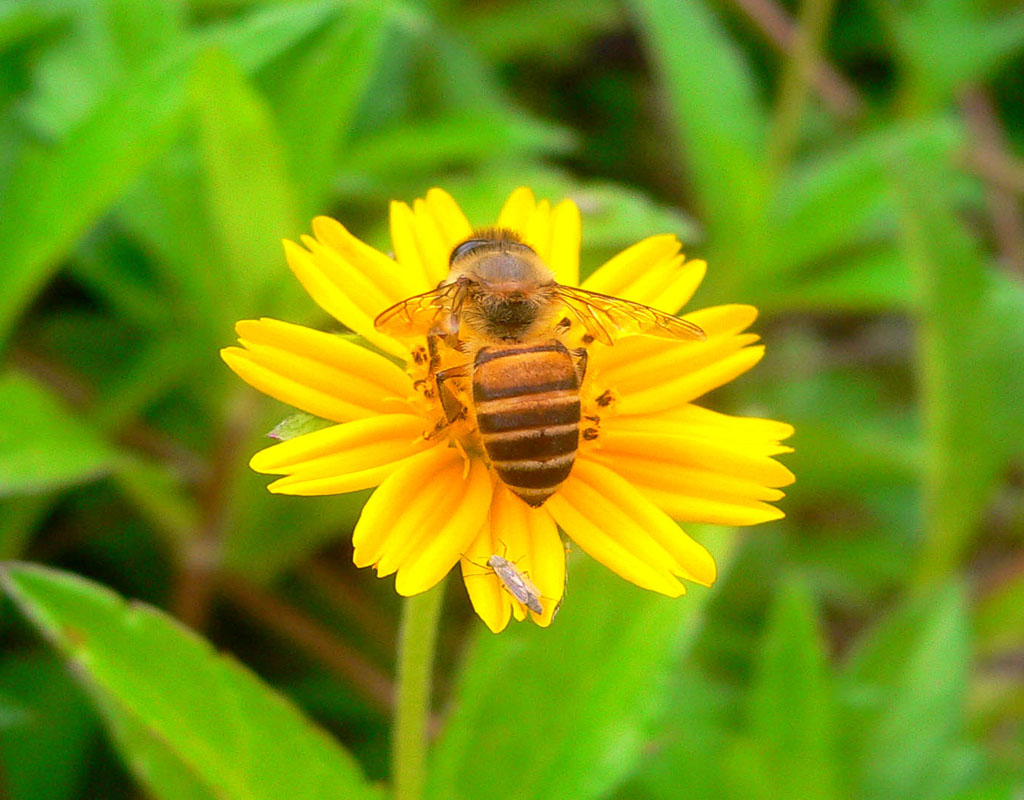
x=516, y=583
x=501, y=308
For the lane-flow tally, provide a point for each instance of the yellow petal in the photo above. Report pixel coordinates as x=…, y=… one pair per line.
x=644, y=362
x=271, y=382
x=685, y=388
x=432, y=243
x=610, y=534
x=690, y=560
x=335, y=299
x=407, y=249
x=687, y=450
x=330, y=350
x=633, y=361
x=652, y=272
x=450, y=220
x=489, y=599
x=529, y=538
x=368, y=297
x=680, y=285
x=323, y=363
x=355, y=441
x=538, y=231
x=616, y=275
x=702, y=509
x=422, y=518
x=548, y=566
x=403, y=503
x=657, y=469
x=390, y=280
x=345, y=458
x=517, y=211
x=564, y=258
x=754, y=434
x=691, y=494
x=440, y=547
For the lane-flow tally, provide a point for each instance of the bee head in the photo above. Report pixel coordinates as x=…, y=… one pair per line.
x=507, y=283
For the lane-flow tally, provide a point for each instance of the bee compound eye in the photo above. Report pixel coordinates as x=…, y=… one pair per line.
x=465, y=248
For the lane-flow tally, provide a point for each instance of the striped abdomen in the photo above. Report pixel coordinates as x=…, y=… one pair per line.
x=527, y=402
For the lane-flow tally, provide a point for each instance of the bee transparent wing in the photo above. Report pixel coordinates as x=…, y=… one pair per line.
x=603, y=315
x=434, y=311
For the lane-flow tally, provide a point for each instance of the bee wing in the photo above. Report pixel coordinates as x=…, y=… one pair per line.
x=603, y=315
x=434, y=311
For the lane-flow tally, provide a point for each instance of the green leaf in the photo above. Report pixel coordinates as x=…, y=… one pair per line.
x=719, y=118
x=564, y=712
x=21, y=22
x=537, y=29
x=452, y=139
x=322, y=94
x=202, y=718
x=162, y=212
x=962, y=371
x=841, y=198
x=42, y=444
x=876, y=280
x=55, y=194
x=249, y=195
x=44, y=749
x=274, y=532
x=907, y=683
x=159, y=496
x=945, y=45
x=297, y=425
x=138, y=30
x=690, y=741
x=791, y=713
x=19, y=519
x=116, y=275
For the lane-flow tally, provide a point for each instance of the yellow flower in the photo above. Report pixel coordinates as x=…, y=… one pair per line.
x=647, y=454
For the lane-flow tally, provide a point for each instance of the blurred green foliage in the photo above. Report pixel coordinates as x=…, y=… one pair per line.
x=852, y=170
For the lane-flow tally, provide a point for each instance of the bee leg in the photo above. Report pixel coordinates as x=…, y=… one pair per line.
x=434, y=352
x=452, y=405
x=579, y=357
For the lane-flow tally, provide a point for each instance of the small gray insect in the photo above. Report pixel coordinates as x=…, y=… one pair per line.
x=516, y=583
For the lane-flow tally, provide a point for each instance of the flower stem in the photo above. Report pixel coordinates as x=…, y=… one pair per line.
x=417, y=639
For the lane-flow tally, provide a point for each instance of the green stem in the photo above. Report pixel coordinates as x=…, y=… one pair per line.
x=416, y=643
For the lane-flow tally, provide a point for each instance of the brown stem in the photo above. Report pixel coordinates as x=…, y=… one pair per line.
x=312, y=638
x=351, y=603
x=200, y=560
x=74, y=390
x=998, y=168
x=797, y=74
x=835, y=91
x=989, y=136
